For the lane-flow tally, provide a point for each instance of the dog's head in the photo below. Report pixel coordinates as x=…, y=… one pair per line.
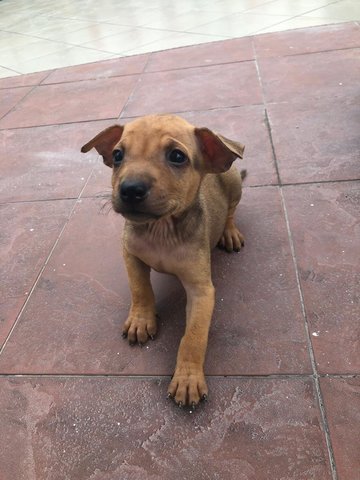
x=158, y=163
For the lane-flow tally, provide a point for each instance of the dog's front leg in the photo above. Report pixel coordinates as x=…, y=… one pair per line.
x=141, y=322
x=188, y=385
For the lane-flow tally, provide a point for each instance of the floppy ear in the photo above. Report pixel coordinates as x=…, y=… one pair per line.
x=104, y=142
x=218, y=152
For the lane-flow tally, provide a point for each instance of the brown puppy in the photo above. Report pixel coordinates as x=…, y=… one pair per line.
x=177, y=190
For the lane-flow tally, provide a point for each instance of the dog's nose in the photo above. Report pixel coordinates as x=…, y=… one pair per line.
x=133, y=191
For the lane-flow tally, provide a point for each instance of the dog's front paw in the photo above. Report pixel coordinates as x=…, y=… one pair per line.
x=139, y=327
x=188, y=386
x=232, y=239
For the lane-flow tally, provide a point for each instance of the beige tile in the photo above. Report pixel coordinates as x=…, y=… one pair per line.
x=297, y=22
x=48, y=27
x=224, y=7
x=345, y=10
x=15, y=57
x=286, y=7
x=12, y=41
x=116, y=27
x=184, y=21
x=174, y=41
x=239, y=24
x=132, y=39
x=64, y=58
x=118, y=16
x=4, y=73
x=93, y=33
x=8, y=20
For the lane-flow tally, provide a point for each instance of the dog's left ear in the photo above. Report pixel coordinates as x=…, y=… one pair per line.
x=218, y=152
x=104, y=142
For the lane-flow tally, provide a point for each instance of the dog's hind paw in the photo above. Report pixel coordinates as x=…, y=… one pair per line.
x=232, y=239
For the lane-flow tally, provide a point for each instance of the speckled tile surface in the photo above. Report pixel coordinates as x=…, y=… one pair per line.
x=105, y=428
x=76, y=401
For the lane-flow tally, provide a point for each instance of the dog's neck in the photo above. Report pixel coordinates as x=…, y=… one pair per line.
x=171, y=230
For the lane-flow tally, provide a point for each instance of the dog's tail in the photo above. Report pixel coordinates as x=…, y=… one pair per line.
x=243, y=174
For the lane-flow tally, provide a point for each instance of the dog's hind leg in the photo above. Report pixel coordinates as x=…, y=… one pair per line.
x=232, y=239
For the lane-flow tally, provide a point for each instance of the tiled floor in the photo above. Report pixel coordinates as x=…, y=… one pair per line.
x=43, y=34
x=283, y=363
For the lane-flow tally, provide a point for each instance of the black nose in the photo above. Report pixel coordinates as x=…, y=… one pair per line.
x=133, y=191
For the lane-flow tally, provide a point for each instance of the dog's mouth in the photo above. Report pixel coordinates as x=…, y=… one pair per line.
x=138, y=216
x=138, y=213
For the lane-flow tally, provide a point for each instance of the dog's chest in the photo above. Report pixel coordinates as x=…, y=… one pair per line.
x=158, y=247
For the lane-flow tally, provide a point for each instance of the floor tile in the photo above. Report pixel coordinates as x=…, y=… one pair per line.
x=342, y=404
x=344, y=11
x=46, y=27
x=84, y=318
x=308, y=40
x=284, y=7
x=195, y=89
x=48, y=168
x=107, y=68
x=247, y=125
x=11, y=97
x=90, y=428
x=183, y=21
x=297, y=23
x=239, y=24
x=14, y=42
x=92, y=33
x=63, y=58
x=325, y=229
x=228, y=51
x=124, y=41
x=175, y=40
x=28, y=232
x=85, y=100
x=227, y=6
x=15, y=57
x=316, y=141
x=23, y=80
x=320, y=75
x=5, y=73
x=11, y=18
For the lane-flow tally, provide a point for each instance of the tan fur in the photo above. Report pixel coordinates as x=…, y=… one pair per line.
x=187, y=210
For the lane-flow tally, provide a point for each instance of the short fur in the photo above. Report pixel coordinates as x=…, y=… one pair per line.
x=179, y=214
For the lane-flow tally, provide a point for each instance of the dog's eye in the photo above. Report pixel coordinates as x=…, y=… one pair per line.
x=118, y=156
x=177, y=157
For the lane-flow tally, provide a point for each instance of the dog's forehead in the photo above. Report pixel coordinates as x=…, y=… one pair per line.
x=159, y=126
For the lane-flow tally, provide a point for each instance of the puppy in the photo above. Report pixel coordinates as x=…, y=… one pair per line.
x=177, y=189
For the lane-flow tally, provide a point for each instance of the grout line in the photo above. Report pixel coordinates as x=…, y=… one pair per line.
x=36, y=200
x=301, y=295
x=200, y=110
x=13, y=108
x=44, y=266
x=164, y=70
x=278, y=376
x=284, y=376
x=10, y=70
x=134, y=87
x=260, y=185
x=310, y=346
x=266, y=119
x=302, y=15
x=44, y=125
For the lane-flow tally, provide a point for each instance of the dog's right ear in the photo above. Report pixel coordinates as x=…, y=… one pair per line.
x=104, y=142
